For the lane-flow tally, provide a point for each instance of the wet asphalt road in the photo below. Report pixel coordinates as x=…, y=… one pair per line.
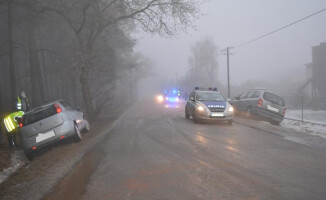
x=155, y=153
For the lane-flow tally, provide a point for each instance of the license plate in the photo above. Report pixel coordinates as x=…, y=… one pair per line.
x=43, y=136
x=272, y=108
x=214, y=114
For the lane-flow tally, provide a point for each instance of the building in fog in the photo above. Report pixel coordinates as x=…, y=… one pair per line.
x=315, y=85
x=318, y=81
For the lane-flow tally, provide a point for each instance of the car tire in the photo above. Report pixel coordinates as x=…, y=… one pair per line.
x=87, y=126
x=186, y=113
x=194, y=118
x=29, y=155
x=11, y=139
x=78, y=137
x=230, y=122
x=248, y=113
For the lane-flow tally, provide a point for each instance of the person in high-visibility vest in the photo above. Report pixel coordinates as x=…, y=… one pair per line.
x=22, y=102
x=12, y=120
x=11, y=123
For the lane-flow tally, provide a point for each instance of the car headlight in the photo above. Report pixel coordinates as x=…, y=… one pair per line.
x=200, y=108
x=231, y=109
x=159, y=98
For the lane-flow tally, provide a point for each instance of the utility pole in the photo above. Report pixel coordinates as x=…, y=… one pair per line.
x=228, y=67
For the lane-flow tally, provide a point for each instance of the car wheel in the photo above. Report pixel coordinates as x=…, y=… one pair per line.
x=29, y=155
x=78, y=137
x=186, y=113
x=248, y=113
x=11, y=139
x=230, y=122
x=194, y=118
x=87, y=126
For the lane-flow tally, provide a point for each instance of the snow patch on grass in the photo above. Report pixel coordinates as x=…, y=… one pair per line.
x=15, y=164
x=306, y=127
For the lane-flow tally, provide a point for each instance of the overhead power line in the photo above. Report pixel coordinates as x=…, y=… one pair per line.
x=270, y=33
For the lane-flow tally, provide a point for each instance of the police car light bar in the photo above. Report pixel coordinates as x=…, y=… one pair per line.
x=209, y=89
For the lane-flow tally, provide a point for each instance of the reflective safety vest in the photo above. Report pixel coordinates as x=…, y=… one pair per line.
x=19, y=103
x=10, y=121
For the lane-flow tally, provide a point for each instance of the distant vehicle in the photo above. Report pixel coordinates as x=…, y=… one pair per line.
x=208, y=105
x=262, y=104
x=172, y=96
x=51, y=123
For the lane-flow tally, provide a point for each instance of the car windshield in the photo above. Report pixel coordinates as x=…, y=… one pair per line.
x=209, y=96
x=274, y=98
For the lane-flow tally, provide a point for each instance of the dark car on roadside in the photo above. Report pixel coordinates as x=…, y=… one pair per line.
x=260, y=103
x=51, y=123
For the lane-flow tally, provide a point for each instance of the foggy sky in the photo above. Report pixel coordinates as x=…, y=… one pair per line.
x=232, y=22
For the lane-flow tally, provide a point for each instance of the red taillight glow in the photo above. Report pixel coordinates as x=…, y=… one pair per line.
x=260, y=102
x=58, y=108
x=284, y=111
x=21, y=125
x=34, y=148
x=61, y=137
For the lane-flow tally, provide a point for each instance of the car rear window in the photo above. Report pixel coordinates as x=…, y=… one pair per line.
x=39, y=114
x=274, y=99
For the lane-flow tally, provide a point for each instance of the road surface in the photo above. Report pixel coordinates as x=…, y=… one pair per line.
x=155, y=153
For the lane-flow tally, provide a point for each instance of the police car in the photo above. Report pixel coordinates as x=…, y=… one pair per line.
x=172, y=96
x=208, y=104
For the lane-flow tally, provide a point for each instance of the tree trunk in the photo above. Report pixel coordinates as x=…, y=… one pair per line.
x=86, y=92
x=12, y=68
x=37, y=79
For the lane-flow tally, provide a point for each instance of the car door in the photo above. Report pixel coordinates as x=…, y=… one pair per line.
x=251, y=100
x=239, y=102
x=70, y=112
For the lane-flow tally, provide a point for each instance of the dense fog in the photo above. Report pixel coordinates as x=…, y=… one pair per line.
x=276, y=62
x=97, y=54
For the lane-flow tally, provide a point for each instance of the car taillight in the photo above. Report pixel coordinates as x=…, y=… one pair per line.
x=284, y=111
x=58, y=108
x=21, y=125
x=260, y=102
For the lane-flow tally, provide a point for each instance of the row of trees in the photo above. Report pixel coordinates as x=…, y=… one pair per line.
x=80, y=50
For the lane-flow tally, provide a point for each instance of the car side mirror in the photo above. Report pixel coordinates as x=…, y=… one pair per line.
x=191, y=98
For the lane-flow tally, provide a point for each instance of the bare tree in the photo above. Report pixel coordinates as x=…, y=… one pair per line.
x=89, y=19
x=203, y=64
